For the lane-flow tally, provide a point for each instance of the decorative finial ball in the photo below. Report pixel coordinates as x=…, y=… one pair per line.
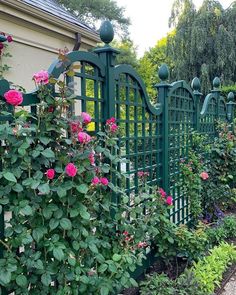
x=230, y=96
x=196, y=85
x=106, y=32
x=163, y=72
x=216, y=82
x=3, y=38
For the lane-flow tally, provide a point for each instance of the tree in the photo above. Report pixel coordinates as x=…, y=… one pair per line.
x=92, y=11
x=128, y=52
x=150, y=63
x=204, y=43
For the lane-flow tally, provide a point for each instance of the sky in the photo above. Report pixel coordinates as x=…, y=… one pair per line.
x=149, y=20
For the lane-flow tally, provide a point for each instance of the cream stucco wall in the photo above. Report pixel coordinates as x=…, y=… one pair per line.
x=37, y=39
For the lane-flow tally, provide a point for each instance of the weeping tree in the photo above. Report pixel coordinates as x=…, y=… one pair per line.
x=204, y=42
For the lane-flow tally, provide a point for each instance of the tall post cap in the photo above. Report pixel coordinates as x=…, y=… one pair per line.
x=3, y=38
x=196, y=85
x=163, y=72
x=216, y=83
x=106, y=32
x=230, y=96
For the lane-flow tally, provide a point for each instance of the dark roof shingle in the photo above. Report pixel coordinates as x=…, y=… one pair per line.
x=53, y=8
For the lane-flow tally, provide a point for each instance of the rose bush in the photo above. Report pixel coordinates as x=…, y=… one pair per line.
x=66, y=234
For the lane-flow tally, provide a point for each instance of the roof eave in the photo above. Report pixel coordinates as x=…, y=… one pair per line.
x=38, y=13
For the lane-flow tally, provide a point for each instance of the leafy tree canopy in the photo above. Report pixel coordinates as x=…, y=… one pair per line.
x=150, y=63
x=204, y=43
x=92, y=11
x=128, y=52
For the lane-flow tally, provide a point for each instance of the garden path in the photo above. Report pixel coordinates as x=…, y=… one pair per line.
x=230, y=287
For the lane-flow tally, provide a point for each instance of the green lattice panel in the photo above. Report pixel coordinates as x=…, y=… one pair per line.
x=208, y=122
x=222, y=110
x=140, y=137
x=88, y=86
x=181, y=123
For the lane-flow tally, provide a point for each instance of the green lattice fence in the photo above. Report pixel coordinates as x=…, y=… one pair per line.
x=152, y=138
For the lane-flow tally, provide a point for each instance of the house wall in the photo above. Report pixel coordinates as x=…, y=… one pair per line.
x=37, y=39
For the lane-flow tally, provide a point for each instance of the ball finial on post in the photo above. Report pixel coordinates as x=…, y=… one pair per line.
x=196, y=85
x=163, y=72
x=216, y=83
x=230, y=96
x=3, y=38
x=106, y=32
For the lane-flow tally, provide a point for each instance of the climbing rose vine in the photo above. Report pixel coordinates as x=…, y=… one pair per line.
x=64, y=234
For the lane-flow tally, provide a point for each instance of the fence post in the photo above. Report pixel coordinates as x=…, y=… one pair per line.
x=197, y=95
x=216, y=90
x=107, y=55
x=230, y=105
x=163, y=88
x=4, y=86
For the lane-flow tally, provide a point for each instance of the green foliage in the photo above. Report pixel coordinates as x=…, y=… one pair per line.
x=91, y=11
x=66, y=231
x=225, y=90
x=179, y=241
x=218, y=190
x=61, y=231
x=4, y=55
x=209, y=271
x=161, y=284
x=191, y=243
x=150, y=63
x=191, y=47
x=201, y=279
x=224, y=230
x=128, y=54
x=191, y=169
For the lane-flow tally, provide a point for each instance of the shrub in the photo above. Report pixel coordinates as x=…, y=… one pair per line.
x=68, y=234
x=221, y=231
x=209, y=271
x=161, y=284
x=201, y=279
x=56, y=181
x=218, y=192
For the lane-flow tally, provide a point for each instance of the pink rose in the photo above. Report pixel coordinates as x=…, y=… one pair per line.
x=50, y=173
x=104, y=181
x=204, y=175
x=91, y=158
x=113, y=128
x=51, y=109
x=42, y=77
x=125, y=233
x=169, y=201
x=75, y=127
x=71, y=169
x=140, y=174
x=86, y=118
x=162, y=192
x=110, y=121
x=9, y=38
x=142, y=245
x=95, y=180
x=13, y=97
x=83, y=137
